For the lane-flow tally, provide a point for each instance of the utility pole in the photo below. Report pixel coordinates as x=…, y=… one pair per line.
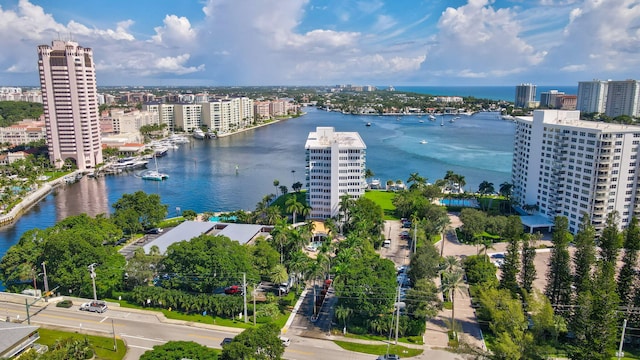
x=415, y=236
x=46, y=281
x=244, y=295
x=92, y=270
x=624, y=328
x=115, y=342
x=397, y=314
x=254, y=305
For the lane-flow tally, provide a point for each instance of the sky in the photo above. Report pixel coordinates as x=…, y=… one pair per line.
x=329, y=42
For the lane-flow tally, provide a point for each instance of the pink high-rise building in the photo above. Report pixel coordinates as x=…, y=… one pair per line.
x=69, y=94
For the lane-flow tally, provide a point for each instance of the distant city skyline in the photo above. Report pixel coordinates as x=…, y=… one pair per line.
x=326, y=42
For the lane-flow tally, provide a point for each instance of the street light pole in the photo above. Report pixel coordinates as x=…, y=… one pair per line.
x=93, y=280
x=46, y=281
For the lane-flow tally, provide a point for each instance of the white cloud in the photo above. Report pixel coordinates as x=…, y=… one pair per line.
x=176, y=31
x=603, y=37
x=478, y=41
x=384, y=22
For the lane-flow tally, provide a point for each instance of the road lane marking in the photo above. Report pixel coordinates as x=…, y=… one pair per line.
x=205, y=337
x=139, y=347
x=143, y=338
x=101, y=321
x=86, y=321
x=299, y=352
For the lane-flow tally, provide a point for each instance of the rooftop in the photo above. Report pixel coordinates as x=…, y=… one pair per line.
x=325, y=136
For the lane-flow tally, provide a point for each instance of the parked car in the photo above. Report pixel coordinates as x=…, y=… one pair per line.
x=387, y=243
x=94, y=306
x=233, y=290
x=226, y=341
x=389, y=357
x=155, y=231
x=285, y=341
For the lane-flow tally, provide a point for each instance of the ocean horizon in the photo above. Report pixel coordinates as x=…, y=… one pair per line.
x=506, y=93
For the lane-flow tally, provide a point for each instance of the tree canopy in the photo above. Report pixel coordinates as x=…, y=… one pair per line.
x=180, y=350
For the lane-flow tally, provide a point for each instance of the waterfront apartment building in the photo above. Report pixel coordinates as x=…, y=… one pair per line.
x=623, y=98
x=24, y=132
x=228, y=114
x=68, y=83
x=566, y=166
x=187, y=116
x=525, y=95
x=592, y=96
x=164, y=111
x=132, y=121
x=335, y=166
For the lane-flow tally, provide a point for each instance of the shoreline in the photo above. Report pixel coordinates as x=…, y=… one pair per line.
x=33, y=198
x=45, y=189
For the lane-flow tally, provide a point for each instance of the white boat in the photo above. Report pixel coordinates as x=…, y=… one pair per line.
x=432, y=118
x=368, y=124
x=420, y=121
x=155, y=175
x=442, y=121
x=198, y=134
x=423, y=141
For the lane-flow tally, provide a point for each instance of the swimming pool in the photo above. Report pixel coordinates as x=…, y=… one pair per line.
x=219, y=219
x=459, y=202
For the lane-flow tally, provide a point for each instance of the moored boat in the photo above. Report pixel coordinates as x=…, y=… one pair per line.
x=198, y=134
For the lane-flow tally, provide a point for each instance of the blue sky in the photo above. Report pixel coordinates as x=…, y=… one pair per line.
x=326, y=42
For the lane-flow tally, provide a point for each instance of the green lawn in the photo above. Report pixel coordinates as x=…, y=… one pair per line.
x=403, y=352
x=102, y=346
x=199, y=318
x=383, y=198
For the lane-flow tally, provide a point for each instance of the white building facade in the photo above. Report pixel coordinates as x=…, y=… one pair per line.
x=335, y=166
x=187, y=116
x=525, y=95
x=68, y=82
x=592, y=96
x=569, y=167
x=623, y=98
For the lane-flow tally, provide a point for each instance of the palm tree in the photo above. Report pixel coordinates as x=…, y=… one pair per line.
x=416, y=181
x=450, y=264
x=276, y=183
x=452, y=283
x=343, y=207
x=343, y=313
x=368, y=173
x=294, y=206
x=280, y=234
x=506, y=188
x=486, y=188
x=278, y=274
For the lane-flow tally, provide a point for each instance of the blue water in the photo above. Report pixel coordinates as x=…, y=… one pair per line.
x=203, y=176
x=507, y=93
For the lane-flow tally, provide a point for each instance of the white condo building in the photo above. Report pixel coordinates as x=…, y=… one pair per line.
x=592, y=96
x=335, y=166
x=566, y=167
x=70, y=98
x=525, y=95
x=623, y=98
x=164, y=111
x=187, y=116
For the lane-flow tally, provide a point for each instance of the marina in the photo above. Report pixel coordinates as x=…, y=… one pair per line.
x=235, y=172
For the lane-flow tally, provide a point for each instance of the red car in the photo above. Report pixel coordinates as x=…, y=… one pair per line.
x=232, y=290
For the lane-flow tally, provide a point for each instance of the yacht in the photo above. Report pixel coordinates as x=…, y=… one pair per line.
x=432, y=118
x=198, y=134
x=154, y=175
x=423, y=141
x=368, y=124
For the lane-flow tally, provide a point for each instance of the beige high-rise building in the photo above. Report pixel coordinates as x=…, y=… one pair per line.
x=70, y=98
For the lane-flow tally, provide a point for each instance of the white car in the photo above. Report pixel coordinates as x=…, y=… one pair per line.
x=285, y=341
